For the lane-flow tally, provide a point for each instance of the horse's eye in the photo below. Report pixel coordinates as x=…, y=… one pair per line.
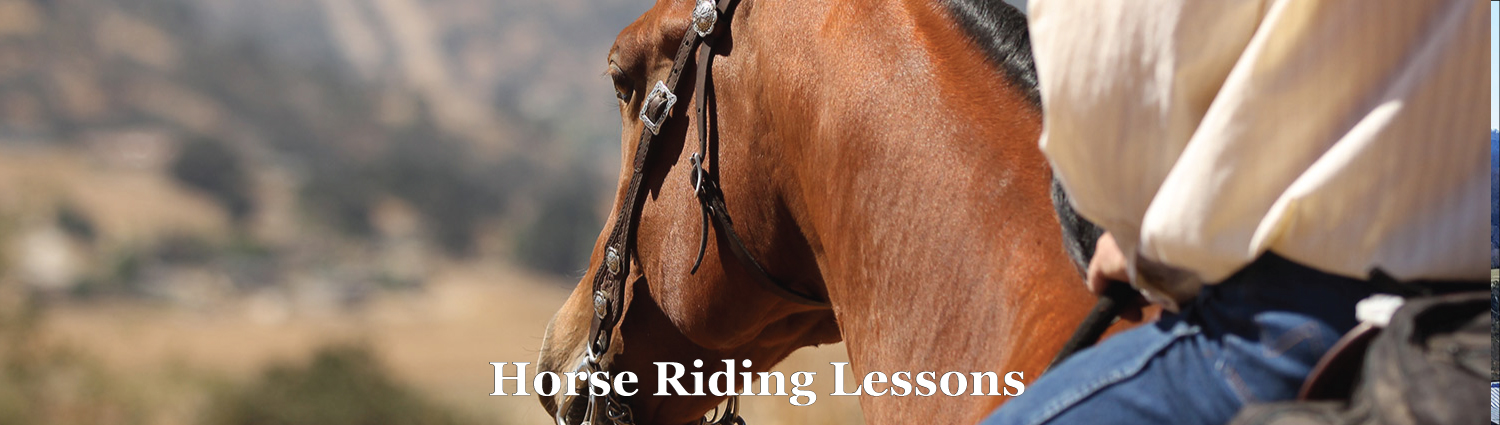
x=623, y=89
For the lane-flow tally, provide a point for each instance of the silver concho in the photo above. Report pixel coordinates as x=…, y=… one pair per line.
x=612, y=261
x=659, y=99
x=601, y=304
x=704, y=17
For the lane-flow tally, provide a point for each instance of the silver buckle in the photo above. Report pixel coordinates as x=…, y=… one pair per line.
x=704, y=17
x=660, y=93
x=696, y=174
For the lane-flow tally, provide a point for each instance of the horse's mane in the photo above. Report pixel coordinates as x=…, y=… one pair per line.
x=1079, y=234
x=1000, y=29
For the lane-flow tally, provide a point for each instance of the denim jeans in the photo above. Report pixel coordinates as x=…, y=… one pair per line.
x=1252, y=338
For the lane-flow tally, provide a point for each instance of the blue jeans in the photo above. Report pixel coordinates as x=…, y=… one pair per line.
x=1252, y=338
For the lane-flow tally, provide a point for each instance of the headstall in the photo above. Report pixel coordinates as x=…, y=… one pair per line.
x=709, y=19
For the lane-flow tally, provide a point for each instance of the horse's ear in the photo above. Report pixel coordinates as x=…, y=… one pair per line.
x=1079, y=234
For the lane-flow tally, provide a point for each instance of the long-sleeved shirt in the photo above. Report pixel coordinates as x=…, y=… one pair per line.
x=1341, y=134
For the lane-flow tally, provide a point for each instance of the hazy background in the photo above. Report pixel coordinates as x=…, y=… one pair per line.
x=296, y=211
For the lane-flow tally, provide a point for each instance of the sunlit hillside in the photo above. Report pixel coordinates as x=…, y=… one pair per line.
x=197, y=197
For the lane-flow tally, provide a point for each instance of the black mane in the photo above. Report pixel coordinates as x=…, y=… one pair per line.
x=1000, y=29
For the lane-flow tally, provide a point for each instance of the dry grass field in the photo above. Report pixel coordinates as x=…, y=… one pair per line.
x=162, y=357
x=211, y=205
x=440, y=340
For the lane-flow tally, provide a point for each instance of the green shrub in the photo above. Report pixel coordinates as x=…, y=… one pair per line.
x=213, y=168
x=563, y=233
x=342, y=385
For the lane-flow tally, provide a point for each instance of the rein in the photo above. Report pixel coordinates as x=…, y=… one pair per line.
x=709, y=18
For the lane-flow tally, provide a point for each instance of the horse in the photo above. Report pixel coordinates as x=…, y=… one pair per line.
x=877, y=155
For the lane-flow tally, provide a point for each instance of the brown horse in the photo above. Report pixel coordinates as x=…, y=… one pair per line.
x=878, y=154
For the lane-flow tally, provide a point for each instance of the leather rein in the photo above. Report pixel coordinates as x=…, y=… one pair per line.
x=709, y=18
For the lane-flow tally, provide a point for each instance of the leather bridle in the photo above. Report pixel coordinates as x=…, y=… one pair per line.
x=709, y=20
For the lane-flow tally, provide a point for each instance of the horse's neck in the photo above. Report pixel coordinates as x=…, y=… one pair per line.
x=941, y=278
x=940, y=252
x=927, y=204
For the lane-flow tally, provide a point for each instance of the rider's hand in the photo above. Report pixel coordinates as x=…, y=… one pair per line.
x=1107, y=265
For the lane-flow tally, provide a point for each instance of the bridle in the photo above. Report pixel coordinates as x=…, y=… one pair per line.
x=709, y=18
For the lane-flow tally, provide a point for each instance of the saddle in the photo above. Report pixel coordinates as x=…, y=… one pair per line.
x=1426, y=367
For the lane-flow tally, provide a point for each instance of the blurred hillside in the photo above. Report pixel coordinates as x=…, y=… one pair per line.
x=301, y=211
x=197, y=196
x=176, y=148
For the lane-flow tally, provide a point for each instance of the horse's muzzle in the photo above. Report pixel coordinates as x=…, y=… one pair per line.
x=566, y=409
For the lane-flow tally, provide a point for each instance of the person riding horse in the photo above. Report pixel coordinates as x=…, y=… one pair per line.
x=1256, y=164
x=878, y=157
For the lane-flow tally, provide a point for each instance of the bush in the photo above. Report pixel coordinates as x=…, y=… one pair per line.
x=343, y=385
x=212, y=168
x=563, y=234
x=440, y=180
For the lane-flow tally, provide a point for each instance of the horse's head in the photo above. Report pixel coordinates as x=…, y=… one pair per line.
x=717, y=312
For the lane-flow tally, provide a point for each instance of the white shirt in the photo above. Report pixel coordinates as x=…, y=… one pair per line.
x=1341, y=134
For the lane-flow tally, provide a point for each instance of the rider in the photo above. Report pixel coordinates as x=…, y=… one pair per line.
x=1261, y=167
